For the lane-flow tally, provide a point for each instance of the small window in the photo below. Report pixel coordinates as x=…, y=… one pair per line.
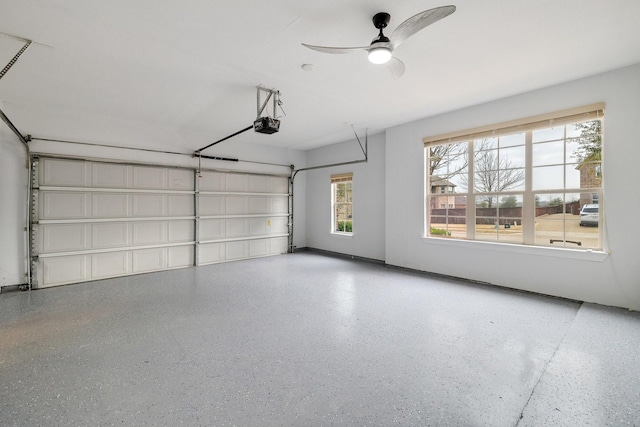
x=342, y=204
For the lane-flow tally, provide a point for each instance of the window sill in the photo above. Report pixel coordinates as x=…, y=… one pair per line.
x=578, y=254
x=336, y=233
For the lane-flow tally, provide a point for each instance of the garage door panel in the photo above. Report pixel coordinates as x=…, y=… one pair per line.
x=236, y=227
x=149, y=178
x=148, y=260
x=110, y=264
x=62, y=237
x=109, y=235
x=279, y=225
x=149, y=233
x=149, y=205
x=211, y=205
x=259, y=205
x=237, y=250
x=110, y=175
x=237, y=182
x=63, y=173
x=259, y=184
x=180, y=205
x=210, y=253
x=61, y=270
x=279, y=245
x=180, y=179
x=180, y=256
x=211, y=181
x=110, y=205
x=211, y=229
x=259, y=226
x=259, y=248
x=180, y=231
x=279, y=185
x=236, y=205
x=279, y=205
x=64, y=205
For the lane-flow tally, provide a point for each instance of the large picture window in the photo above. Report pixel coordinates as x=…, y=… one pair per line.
x=535, y=181
x=342, y=203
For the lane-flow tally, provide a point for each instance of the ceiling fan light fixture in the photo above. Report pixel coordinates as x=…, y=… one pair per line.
x=379, y=55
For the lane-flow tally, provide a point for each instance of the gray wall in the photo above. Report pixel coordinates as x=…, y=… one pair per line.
x=368, y=198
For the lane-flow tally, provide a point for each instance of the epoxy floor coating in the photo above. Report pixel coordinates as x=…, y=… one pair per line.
x=308, y=339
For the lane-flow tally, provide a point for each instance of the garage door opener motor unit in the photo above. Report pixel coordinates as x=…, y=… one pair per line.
x=263, y=123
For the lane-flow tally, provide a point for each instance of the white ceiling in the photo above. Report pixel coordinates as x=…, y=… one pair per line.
x=179, y=75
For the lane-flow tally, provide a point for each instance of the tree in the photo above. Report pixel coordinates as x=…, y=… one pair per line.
x=556, y=201
x=443, y=157
x=589, y=142
x=509, y=202
x=492, y=174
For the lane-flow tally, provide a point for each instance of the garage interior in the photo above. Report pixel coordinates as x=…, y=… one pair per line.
x=169, y=253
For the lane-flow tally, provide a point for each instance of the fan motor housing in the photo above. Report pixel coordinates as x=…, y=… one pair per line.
x=381, y=20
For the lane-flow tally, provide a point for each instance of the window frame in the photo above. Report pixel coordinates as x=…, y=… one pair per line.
x=336, y=180
x=527, y=194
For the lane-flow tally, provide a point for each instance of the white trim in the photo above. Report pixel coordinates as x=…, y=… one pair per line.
x=520, y=249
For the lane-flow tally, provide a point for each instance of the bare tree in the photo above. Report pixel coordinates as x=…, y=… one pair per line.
x=442, y=157
x=493, y=174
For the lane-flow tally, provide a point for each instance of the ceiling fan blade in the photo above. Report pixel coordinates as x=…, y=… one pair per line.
x=338, y=50
x=396, y=67
x=418, y=22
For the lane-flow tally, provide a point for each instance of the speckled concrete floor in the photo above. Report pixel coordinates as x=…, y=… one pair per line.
x=307, y=339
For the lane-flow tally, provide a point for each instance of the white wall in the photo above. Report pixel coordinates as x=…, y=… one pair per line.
x=13, y=209
x=611, y=279
x=368, y=198
x=14, y=179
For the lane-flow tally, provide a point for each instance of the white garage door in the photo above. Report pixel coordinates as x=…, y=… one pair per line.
x=93, y=220
x=241, y=216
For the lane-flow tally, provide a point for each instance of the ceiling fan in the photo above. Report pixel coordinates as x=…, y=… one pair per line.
x=381, y=49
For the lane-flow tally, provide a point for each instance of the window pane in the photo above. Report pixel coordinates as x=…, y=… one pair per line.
x=512, y=157
x=573, y=130
x=485, y=144
x=341, y=194
x=486, y=227
x=573, y=177
x=459, y=182
x=446, y=160
x=510, y=218
x=587, y=144
x=558, y=222
x=549, y=153
x=548, y=134
x=510, y=180
x=512, y=140
x=548, y=177
x=447, y=216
